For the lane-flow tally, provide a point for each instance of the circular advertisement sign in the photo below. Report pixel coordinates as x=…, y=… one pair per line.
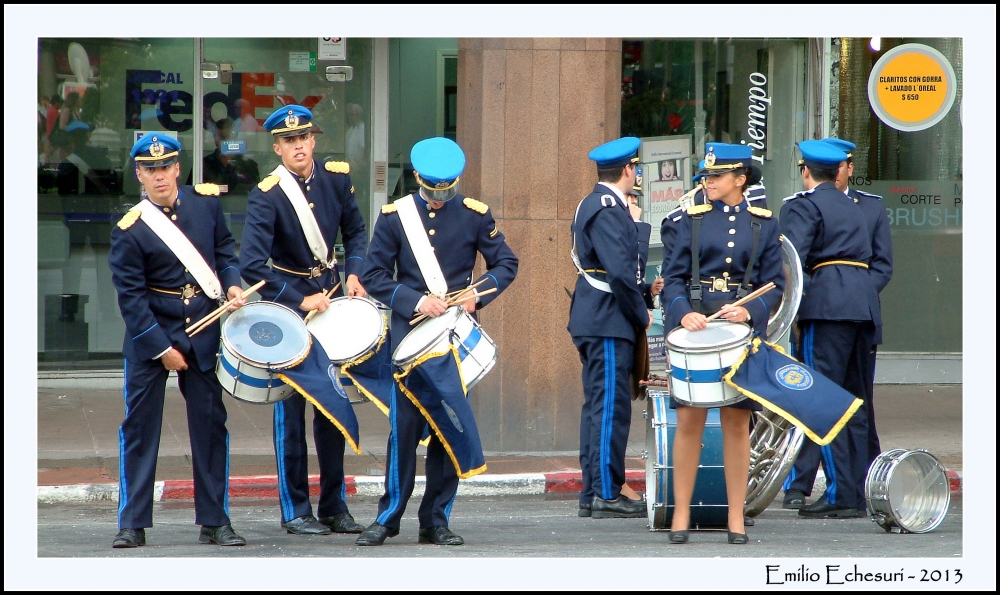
x=912, y=87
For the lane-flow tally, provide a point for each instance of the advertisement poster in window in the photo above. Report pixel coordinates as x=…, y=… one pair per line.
x=666, y=165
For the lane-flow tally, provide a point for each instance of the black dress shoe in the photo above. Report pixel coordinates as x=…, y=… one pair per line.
x=306, y=525
x=748, y=521
x=584, y=510
x=342, y=523
x=439, y=535
x=679, y=536
x=222, y=535
x=794, y=499
x=621, y=507
x=129, y=538
x=821, y=509
x=737, y=538
x=375, y=534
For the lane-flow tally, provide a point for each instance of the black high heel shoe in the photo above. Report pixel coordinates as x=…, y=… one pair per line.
x=679, y=536
x=737, y=538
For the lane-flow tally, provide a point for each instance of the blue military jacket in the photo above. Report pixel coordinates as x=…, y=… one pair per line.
x=457, y=231
x=273, y=232
x=825, y=225
x=607, y=244
x=139, y=260
x=880, y=235
x=725, y=240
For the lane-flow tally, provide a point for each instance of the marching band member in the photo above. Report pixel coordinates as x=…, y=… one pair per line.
x=723, y=249
x=170, y=257
x=293, y=217
x=608, y=315
x=424, y=246
x=838, y=320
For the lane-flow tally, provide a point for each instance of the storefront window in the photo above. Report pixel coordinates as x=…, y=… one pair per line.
x=919, y=176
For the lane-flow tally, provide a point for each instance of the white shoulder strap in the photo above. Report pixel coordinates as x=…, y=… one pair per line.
x=596, y=284
x=182, y=248
x=310, y=227
x=420, y=244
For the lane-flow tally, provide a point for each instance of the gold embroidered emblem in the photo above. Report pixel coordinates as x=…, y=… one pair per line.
x=207, y=189
x=710, y=159
x=475, y=205
x=758, y=211
x=699, y=209
x=338, y=167
x=390, y=208
x=129, y=218
x=156, y=148
x=291, y=120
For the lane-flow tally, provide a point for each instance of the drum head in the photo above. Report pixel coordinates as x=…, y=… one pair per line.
x=424, y=335
x=719, y=333
x=352, y=325
x=266, y=334
x=919, y=492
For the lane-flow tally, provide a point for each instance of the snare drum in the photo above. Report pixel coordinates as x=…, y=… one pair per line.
x=907, y=491
x=699, y=359
x=709, y=503
x=258, y=341
x=349, y=329
x=476, y=350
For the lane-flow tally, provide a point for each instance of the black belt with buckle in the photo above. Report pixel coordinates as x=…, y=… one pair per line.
x=723, y=284
x=185, y=293
x=312, y=273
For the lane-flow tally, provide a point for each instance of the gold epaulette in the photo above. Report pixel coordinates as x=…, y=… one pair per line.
x=207, y=189
x=389, y=208
x=268, y=183
x=475, y=205
x=699, y=209
x=759, y=212
x=338, y=167
x=129, y=218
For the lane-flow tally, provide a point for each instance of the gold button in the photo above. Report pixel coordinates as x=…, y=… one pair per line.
x=173, y=217
x=187, y=320
x=432, y=215
x=185, y=270
x=431, y=232
x=730, y=244
x=732, y=217
x=187, y=301
x=728, y=260
x=725, y=275
x=737, y=209
x=732, y=231
x=307, y=188
x=166, y=209
x=312, y=206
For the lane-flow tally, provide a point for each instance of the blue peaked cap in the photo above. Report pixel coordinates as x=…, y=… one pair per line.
x=616, y=153
x=154, y=149
x=439, y=161
x=77, y=125
x=289, y=120
x=724, y=157
x=844, y=145
x=698, y=176
x=821, y=154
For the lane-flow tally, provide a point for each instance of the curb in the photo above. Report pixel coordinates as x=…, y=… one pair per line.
x=266, y=487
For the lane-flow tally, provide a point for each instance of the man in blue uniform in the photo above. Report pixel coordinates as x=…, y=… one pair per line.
x=880, y=270
x=424, y=246
x=607, y=314
x=837, y=318
x=171, y=256
x=293, y=217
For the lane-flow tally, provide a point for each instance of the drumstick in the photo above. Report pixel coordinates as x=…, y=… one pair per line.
x=327, y=294
x=464, y=289
x=453, y=302
x=197, y=327
x=764, y=289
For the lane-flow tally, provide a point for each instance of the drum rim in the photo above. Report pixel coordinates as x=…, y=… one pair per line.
x=272, y=365
x=371, y=346
x=454, y=311
x=709, y=348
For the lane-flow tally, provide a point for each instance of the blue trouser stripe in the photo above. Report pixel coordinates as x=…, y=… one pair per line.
x=284, y=498
x=789, y=479
x=447, y=509
x=831, y=474
x=606, y=421
x=122, y=480
x=225, y=495
x=392, y=478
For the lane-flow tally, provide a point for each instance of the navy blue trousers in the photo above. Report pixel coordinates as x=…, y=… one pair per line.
x=407, y=427
x=841, y=351
x=292, y=454
x=139, y=442
x=606, y=415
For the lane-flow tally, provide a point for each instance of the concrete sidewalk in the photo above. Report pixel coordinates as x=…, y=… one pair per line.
x=78, y=445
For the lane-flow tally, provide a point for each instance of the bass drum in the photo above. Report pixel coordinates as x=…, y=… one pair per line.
x=709, y=504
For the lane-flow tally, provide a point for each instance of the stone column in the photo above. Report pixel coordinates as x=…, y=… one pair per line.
x=529, y=111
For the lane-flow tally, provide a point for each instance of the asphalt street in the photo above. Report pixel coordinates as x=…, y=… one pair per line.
x=526, y=527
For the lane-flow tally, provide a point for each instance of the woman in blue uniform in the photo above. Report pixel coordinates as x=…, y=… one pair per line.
x=732, y=238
